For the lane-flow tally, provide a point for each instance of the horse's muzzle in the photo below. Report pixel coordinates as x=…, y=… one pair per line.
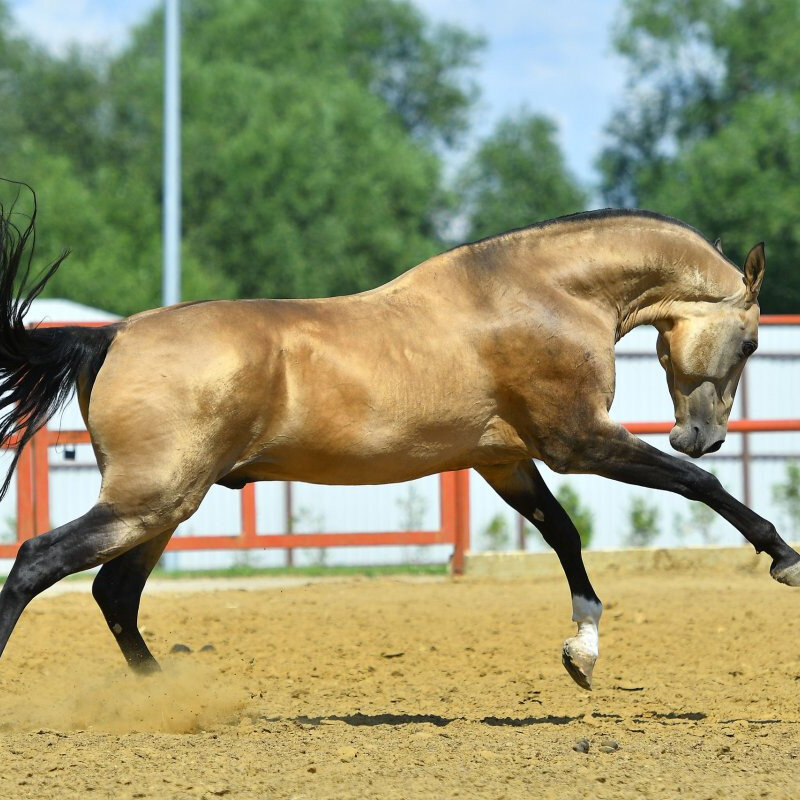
x=696, y=440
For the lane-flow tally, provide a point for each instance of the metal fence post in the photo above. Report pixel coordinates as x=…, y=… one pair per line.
x=288, y=509
x=461, y=502
x=41, y=481
x=248, y=500
x=746, y=493
x=25, y=517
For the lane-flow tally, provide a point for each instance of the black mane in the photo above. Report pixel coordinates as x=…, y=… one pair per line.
x=586, y=216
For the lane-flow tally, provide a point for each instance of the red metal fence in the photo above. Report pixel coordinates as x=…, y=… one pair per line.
x=33, y=493
x=33, y=512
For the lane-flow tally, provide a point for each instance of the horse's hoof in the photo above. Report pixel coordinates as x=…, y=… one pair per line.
x=578, y=663
x=788, y=575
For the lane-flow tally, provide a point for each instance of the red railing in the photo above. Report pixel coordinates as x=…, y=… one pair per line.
x=734, y=426
x=33, y=512
x=33, y=495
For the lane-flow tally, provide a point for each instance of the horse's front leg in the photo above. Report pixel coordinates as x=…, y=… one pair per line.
x=612, y=452
x=523, y=488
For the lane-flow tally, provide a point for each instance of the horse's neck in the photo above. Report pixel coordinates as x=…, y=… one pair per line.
x=643, y=274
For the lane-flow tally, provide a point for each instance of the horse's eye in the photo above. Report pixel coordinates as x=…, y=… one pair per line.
x=748, y=348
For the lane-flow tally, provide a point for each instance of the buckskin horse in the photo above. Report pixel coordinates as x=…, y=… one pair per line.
x=487, y=356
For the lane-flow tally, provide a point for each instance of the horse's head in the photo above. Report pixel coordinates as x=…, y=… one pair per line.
x=703, y=350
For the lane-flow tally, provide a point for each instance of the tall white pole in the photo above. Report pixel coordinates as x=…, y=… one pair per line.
x=171, y=281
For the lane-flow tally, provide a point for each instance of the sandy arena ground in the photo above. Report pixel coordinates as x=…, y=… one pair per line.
x=391, y=688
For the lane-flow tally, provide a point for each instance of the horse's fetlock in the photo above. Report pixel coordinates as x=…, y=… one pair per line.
x=769, y=535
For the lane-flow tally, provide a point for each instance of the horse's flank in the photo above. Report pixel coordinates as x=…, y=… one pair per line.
x=471, y=359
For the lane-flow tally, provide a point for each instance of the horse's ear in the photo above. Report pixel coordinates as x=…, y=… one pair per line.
x=718, y=245
x=754, y=270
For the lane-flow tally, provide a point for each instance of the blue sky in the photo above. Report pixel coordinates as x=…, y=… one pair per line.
x=546, y=56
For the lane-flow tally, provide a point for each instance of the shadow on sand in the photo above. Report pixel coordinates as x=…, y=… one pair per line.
x=367, y=720
x=360, y=720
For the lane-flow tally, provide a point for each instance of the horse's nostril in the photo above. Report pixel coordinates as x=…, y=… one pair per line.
x=716, y=446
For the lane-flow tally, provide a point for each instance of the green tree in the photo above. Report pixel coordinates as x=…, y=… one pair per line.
x=700, y=522
x=56, y=134
x=307, y=520
x=422, y=72
x=496, y=533
x=413, y=507
x=581, y=516
x=643, y=527
x=786, y=496
x=710, y=133
x=55, y=100
x=311, y=136
x=517, y=177
x=313, y=133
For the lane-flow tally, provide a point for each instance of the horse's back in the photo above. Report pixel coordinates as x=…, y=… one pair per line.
x=361, y=389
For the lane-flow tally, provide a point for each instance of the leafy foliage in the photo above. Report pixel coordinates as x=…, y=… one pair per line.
x=643, y=523
x=312, y=131
x=313, y=138
x=710, y=135
x=518, y=177
x=496, y=533
x=786, y=496
x=580, y=515
x=413, y=508
x=699, y=522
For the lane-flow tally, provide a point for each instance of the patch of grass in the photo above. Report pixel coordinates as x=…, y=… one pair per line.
x=244, y=571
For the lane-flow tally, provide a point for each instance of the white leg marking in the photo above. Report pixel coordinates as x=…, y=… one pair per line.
x=581, y=650
x=587, y=614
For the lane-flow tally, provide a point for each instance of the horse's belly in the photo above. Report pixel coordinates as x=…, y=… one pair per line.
x=343, y=472
x=371, y=464
x=385, y=454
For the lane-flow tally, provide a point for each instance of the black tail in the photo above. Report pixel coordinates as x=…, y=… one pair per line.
x=39, y=367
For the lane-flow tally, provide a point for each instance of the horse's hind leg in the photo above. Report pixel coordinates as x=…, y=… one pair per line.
x=96, y=537
x=118, y=590
x=523, y=488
